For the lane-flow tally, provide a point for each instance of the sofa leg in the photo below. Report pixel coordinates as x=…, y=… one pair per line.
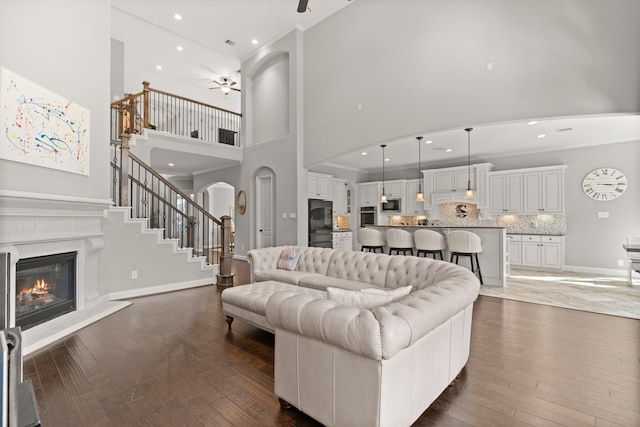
x=284, y=404
x=229, y=320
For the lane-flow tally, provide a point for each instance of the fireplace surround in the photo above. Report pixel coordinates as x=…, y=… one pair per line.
x=35, y=225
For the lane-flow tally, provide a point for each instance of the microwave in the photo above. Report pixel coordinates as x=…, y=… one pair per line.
x=392, y=205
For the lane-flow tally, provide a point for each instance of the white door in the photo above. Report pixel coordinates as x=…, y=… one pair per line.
x=264, y=211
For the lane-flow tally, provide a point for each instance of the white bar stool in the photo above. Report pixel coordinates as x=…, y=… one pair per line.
x=371, y=240
x=429, y=242
x=465, y=243
x=399, y=240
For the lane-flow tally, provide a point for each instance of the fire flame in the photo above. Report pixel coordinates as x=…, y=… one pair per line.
x=40, y=288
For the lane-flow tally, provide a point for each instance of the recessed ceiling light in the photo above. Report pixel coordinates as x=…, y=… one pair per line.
x=177, y=16
x=532, y=122
x=158, y=67
x=428, y=142
x=542, y=135
x=386, y=160
x=448, y=150
x=254, y=41
x=364, y=153
x=171, y=164
x=179, y=48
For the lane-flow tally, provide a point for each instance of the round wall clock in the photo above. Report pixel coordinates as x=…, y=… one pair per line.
x=604, y=184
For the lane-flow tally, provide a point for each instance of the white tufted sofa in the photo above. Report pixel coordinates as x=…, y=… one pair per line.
x=347, y=366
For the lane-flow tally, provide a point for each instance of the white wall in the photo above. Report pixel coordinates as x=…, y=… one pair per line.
x=592, y=242
x=270, y=87
x=63, y=46
x=421, y=66
x=221, y=199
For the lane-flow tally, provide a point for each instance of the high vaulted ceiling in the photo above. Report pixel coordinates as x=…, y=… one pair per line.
x=207, y=25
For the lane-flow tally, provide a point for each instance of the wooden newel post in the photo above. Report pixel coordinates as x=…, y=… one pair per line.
x=145, y=107
x=225, y=277
x=124, y=170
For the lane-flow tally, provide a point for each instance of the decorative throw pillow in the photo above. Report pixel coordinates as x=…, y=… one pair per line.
x=288, y=258
x=366, y=298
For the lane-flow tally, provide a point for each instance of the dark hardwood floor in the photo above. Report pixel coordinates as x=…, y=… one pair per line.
x=168, y=360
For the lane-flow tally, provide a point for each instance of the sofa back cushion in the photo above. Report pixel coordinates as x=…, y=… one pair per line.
x=419, y=273
x=365, y=267
x=314, y=260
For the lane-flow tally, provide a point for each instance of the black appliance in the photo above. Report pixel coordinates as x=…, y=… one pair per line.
x=391, y=205
x=320, y=223
x=367, y=215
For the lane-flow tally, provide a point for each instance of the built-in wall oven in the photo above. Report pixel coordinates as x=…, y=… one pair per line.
x=368, y=215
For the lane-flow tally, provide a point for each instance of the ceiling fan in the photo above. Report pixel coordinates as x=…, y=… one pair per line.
x=302, y=6
x=225, y=86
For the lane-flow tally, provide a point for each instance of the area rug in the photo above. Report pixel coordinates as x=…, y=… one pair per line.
x=597, y=294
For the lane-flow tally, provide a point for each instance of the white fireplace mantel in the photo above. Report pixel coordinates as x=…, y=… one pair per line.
x=34, y=224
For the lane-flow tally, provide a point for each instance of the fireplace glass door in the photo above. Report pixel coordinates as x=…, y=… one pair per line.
x=45, y=288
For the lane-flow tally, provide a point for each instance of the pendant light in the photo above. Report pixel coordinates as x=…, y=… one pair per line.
x=383, y=198
x=469, y=193
x=420, y=195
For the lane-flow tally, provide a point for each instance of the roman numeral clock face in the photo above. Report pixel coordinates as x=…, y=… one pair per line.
x=604, y=184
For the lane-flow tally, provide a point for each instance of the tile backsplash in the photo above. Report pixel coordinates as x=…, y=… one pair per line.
x=466, y=215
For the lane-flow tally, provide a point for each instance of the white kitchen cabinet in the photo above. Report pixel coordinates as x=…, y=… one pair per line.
x=544, y=191
x=319, y=186
x=339, y=196
x=515, y=249
x=505, y=193
x=369, y=194
x=410, y=206
x=543, y=251
x=343, y=240
x=450, y=184
x=394, y=189
x=454, y=180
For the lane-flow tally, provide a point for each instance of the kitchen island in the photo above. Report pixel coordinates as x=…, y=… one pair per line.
x=494, y=258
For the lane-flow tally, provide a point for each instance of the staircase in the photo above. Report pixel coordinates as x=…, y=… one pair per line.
x=159, y=238
x=148, y=262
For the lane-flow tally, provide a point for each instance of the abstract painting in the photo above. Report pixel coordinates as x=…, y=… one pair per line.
x=42, y=128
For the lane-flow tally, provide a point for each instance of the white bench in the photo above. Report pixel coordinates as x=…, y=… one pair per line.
x=248, y=302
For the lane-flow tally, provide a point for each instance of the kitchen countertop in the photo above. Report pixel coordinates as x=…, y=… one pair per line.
x=438, y=226
x=536, y=234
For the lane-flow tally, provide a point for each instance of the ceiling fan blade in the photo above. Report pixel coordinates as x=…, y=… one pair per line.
x=302, y=6
x=233, y=88
x=232, y=83
x=214, y=88
x=218, y=83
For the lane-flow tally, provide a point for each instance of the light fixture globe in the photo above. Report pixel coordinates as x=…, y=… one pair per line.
x=469, y=193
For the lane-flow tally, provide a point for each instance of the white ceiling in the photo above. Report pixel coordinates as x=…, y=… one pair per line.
x=494, y=140
x=206, y=25
x=203, y=30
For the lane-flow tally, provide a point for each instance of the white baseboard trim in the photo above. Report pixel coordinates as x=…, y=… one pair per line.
x=152, y=290
x=591, y=270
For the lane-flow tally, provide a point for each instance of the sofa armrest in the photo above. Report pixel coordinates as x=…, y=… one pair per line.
x=263, y=259
x=350, y=328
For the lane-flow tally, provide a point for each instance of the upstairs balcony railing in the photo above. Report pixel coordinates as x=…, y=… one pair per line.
x=175, y=115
